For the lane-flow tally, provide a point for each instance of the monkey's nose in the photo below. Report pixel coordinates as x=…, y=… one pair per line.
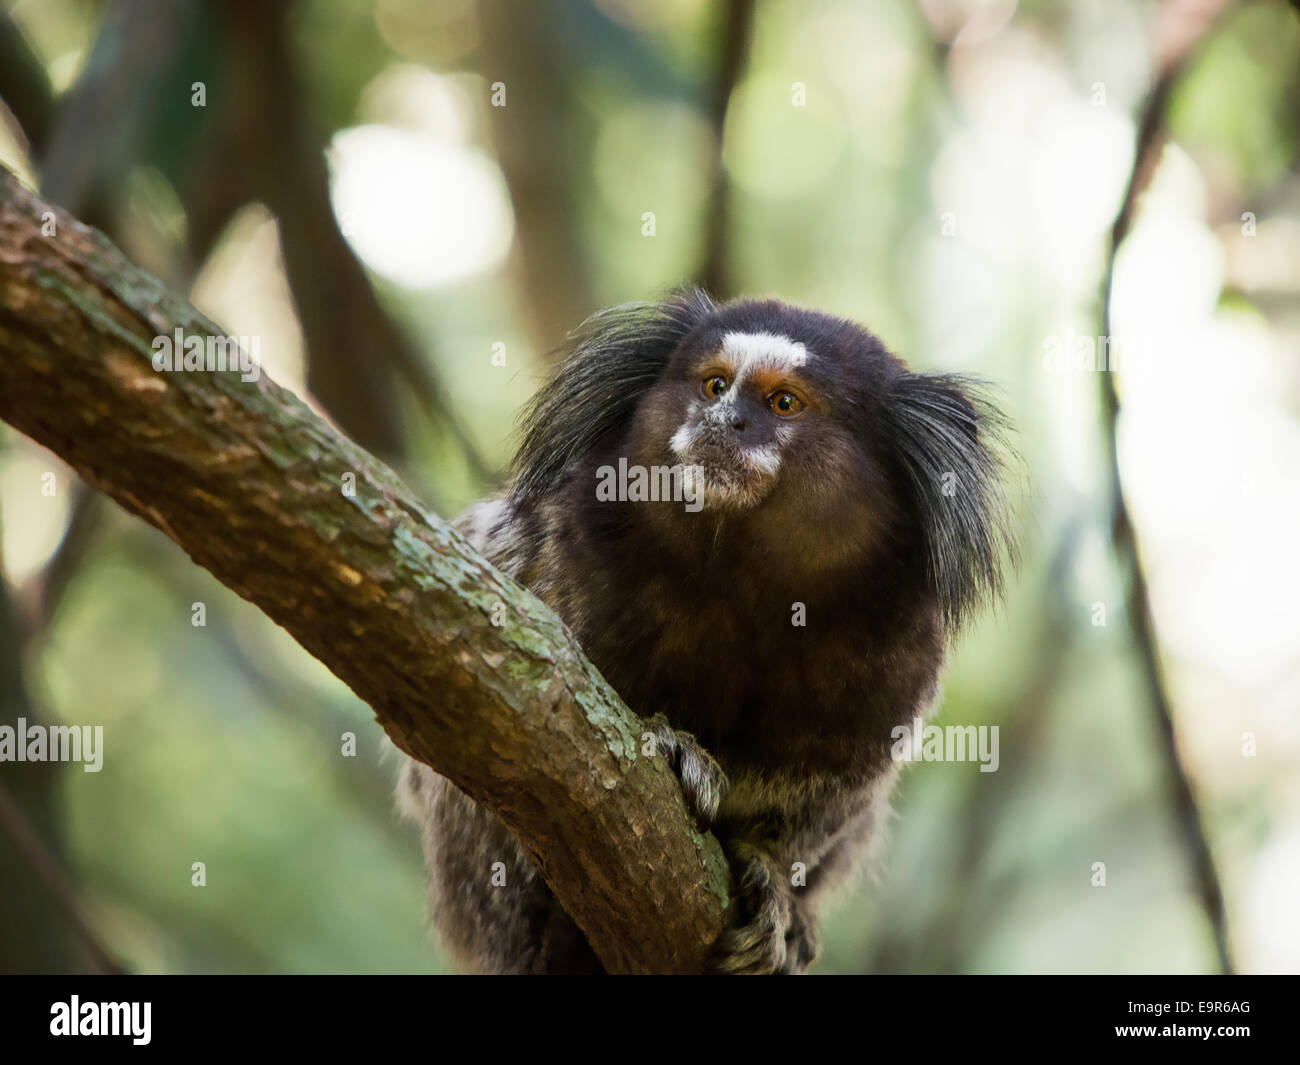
x=739, y=422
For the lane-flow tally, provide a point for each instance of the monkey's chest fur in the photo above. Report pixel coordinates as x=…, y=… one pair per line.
x=775, y=673
x=790, y=677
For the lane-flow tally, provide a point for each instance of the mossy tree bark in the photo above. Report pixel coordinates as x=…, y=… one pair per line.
x=251, y=484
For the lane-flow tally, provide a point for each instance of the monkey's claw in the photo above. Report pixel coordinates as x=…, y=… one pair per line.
x=704, y=784
x=762, y=942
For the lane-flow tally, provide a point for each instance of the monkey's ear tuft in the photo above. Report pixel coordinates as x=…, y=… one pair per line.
x=614, y=358
x=950, y=440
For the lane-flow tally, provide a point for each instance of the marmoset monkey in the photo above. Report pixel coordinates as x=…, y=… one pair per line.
x=835, y=520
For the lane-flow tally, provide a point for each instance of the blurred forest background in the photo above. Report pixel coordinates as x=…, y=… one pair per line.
x=331, y=176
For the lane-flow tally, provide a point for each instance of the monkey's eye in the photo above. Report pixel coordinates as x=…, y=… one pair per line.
x=714, y=386
x=786, y=404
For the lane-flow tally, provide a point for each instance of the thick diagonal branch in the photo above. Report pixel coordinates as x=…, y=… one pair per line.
x=252, y=485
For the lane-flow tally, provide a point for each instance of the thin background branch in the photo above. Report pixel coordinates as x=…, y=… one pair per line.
x=26, y=841
x=1186, y=26
x=734, y=36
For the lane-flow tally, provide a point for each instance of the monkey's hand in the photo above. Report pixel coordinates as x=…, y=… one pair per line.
x=704, y=784
x=802, y=942
x=768, y=936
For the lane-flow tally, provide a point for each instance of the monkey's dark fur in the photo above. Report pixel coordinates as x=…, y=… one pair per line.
x=877, y=506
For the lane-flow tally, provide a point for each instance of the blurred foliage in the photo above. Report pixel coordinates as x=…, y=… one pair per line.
x=949, y=179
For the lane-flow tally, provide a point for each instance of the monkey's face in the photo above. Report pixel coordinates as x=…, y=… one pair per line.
x=739, y=400
x=765, y=407
x=806, y=444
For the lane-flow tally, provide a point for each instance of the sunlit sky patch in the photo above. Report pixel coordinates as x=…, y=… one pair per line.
x=419, y=211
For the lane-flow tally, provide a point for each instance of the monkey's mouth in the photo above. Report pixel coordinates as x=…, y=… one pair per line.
x=727, y=477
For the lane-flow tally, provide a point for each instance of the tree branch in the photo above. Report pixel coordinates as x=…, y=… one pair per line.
x=536, y=137
x=24, y=85
x=1177, y=46
x=251, y=484
x=27, y=842
x=734, y=34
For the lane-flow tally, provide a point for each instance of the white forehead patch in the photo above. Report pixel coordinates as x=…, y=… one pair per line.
x=763, y=351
